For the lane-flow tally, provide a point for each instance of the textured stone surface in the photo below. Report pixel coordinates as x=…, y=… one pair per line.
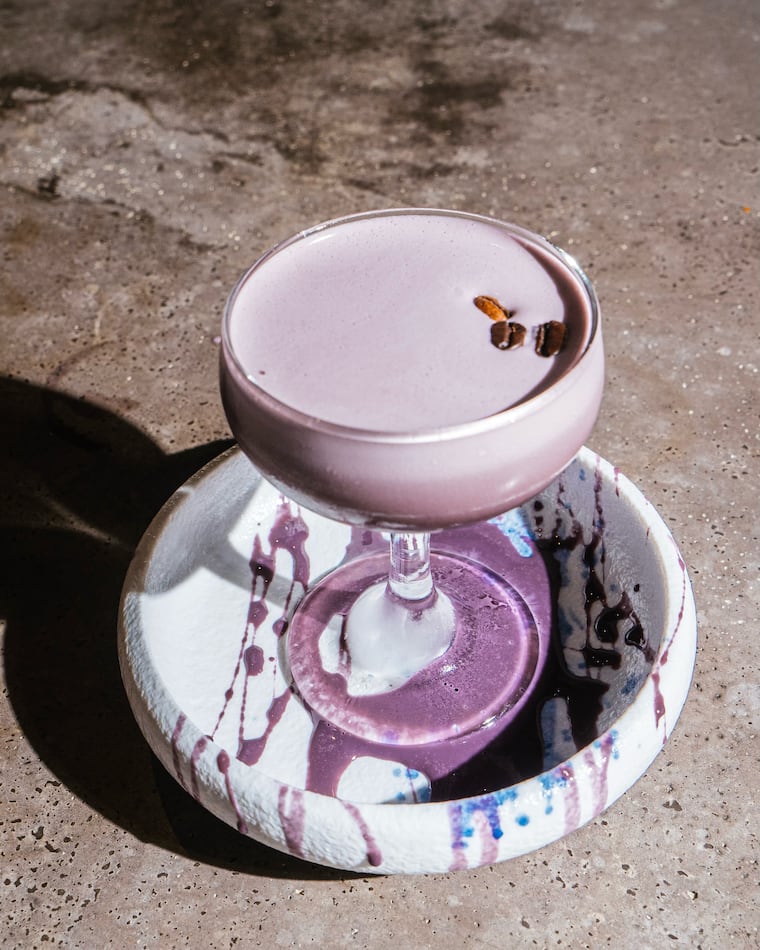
x=148, y=151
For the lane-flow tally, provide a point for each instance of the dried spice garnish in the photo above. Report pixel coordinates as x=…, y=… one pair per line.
x=492, y=308
x=506, y=335
x=550, y=338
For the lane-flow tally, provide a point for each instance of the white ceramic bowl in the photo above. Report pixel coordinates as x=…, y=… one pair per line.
x=203, y=667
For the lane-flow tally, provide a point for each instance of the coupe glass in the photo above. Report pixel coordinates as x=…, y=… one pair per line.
x=366, y=373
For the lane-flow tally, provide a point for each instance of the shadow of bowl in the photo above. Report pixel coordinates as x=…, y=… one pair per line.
x=79, y=486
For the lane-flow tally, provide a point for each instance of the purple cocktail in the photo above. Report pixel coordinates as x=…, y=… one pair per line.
x=410, y=371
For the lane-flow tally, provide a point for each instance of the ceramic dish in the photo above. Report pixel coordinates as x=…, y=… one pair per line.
x=203, y=622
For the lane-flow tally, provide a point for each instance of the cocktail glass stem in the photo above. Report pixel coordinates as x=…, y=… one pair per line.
x=409, y=577
x=402, y=623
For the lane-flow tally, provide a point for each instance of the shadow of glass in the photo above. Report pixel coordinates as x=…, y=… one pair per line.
x=80, y=485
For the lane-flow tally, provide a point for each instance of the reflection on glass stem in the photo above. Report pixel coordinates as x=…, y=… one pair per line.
x=409, y=576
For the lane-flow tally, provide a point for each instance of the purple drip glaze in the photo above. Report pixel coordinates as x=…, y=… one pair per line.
x=223, y=764
x=603, y=619
x=288, y=532
x=659, y=702
x=195, y=755
x=254, y=660
x=292, y=818
x=374, y=855
x=251, y=750
x=599, y=771
x=176, y=761
x=572, y=797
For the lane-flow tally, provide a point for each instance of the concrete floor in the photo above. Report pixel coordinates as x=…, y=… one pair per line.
x=148, y=152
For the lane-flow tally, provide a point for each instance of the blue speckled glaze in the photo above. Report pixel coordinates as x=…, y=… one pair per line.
x=608, y=743
x=419, y=793
x=514, y=526
x=551, y=782
x=632, y=684
x=463, y=813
